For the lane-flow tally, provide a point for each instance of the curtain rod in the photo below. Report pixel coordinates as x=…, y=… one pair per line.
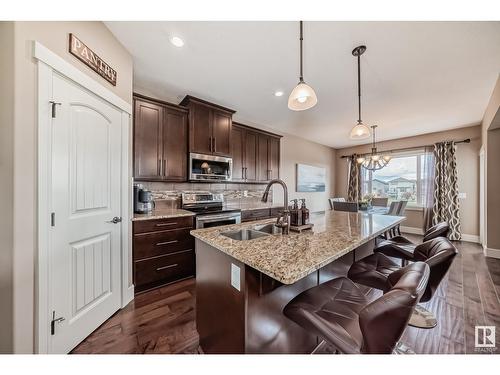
x=403, y=149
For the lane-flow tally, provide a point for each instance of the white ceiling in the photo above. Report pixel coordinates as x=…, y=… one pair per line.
x=417, y=77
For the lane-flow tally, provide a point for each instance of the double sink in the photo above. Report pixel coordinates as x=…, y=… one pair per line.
x=248, y=234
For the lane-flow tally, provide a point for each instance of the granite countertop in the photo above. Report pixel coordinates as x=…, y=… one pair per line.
x=290, y=258
x=162, y=213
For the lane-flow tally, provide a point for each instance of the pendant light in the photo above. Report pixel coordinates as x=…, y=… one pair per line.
x=360, y=131
x=302, y=96
x=374, y=161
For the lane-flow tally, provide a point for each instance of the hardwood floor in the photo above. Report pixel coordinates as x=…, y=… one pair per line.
x=163, y=320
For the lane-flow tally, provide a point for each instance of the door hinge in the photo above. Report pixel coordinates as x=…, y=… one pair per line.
x=53, y=323
x=52, y=219
x=53, y=103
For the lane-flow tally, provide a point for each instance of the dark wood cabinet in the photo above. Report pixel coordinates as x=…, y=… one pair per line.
x=163, y=251
x=210, y=127
x=256, y=154
x=244, y=153
x=160, y=140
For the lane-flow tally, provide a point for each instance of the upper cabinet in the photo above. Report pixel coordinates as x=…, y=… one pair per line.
x=256, y=154
x=209, y=127
x=160, y=140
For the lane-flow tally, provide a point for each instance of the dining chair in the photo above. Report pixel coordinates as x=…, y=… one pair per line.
x=345, y=206
x=380, y=202
x=393, y=208
x=331, y=200
x=400, y=212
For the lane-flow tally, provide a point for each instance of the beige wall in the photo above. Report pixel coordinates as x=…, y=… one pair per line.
x=467, y=164
x=53, y=35
x=491, y=143
x=298, y=150
x=6, y=182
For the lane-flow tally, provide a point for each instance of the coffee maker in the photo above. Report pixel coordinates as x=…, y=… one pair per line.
x=143, y=200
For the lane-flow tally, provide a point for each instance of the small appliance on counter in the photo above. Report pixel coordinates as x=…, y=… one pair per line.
x=299, y=217
x=143, y=200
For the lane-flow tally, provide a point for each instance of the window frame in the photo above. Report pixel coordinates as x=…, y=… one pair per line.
x=419, y=154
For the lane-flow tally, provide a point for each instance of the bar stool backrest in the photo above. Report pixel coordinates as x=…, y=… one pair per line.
x=383, y=321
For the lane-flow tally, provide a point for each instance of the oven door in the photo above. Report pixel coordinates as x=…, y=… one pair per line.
x=215, y=220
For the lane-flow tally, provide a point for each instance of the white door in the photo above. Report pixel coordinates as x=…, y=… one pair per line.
x=84, y=255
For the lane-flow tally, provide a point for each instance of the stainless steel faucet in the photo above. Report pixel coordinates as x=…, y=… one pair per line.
x=283, y=219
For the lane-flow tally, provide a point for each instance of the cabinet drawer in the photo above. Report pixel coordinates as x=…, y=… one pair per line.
x=155, y=225
x=250, y=215
x=152, y=244
x=160, y=270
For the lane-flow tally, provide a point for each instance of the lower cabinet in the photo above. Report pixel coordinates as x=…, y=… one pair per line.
x=163, y=252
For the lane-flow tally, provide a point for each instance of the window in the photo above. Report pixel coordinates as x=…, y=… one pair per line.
x=402, y=179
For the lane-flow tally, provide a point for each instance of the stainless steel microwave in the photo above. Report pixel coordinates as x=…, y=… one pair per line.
x=210, y=168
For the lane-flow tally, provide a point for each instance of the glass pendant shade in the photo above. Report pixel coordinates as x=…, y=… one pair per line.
x=302, y=97
x=360, y=131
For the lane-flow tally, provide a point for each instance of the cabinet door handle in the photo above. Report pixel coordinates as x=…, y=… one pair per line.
x=246, y=173
x=165, y=267
x=210, y=144
x=243, y=172
x=159, y=167
x=165, y=224
x=166, y=243
x=164, y=166
x=215, y=145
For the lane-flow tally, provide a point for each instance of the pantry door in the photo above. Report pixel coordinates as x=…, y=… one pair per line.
x=84, y=241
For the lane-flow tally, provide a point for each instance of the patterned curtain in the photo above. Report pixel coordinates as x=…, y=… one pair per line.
x=428, y=168
x=446, y=207
x=354, y=183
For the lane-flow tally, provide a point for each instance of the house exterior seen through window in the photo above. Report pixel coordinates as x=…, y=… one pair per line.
x=401, y=179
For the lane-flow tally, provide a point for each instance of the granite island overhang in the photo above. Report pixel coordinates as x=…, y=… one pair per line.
x=242, y=286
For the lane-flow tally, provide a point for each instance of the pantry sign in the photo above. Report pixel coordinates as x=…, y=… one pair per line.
x=90, y=58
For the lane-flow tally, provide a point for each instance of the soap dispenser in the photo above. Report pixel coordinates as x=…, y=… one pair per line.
x=304, y=212
x=295, y=213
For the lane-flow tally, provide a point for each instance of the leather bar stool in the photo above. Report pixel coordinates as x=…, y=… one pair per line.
x=376, y=271
x=340, y=313
x=402, y=248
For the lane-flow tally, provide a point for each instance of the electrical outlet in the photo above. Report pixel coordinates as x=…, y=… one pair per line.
x=235, y=277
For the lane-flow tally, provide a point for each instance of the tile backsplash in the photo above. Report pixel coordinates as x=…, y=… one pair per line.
x=237, y=195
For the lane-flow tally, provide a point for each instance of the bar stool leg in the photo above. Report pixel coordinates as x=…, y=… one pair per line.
x=422, y=318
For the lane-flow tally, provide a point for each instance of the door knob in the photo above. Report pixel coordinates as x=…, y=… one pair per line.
x=115, y=220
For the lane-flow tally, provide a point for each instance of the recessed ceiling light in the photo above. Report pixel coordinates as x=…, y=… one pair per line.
x=176, y=41
x=278, y=93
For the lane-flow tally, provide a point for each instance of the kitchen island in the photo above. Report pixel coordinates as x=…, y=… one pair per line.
x=243, y=285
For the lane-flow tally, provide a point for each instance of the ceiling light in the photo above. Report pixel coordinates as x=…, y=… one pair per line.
x=278, y=93
x=360, y=131
x=302, y=96
x=373, y=161
x=176, y=41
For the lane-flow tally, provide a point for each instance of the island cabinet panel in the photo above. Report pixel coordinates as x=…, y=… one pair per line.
x=209, y=127
x=160, y=140
x=163, y=252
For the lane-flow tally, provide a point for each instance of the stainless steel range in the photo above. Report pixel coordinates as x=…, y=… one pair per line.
x=209, y=209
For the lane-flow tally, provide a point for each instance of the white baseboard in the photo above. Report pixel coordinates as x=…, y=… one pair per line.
x=470, y=238
x=465, y=237
x=412, y=230
x=492, y=253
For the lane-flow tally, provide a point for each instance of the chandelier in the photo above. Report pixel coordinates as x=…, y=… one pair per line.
x=373, y=161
